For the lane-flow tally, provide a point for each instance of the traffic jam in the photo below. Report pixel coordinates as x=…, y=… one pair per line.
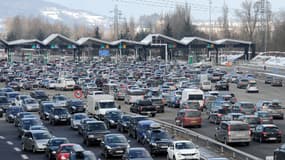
x=109, y=106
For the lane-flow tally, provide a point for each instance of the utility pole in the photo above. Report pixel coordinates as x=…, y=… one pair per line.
x=210, y=19
x=264, y=22
x=117, y=14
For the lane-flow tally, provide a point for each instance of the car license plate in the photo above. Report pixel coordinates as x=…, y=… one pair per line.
x=63, y=119
x=272, y=138
x=119, y=151
x=99, y=139
x=163, y=146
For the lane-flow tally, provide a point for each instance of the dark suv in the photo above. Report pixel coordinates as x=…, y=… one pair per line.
x=132, y=126
x=39, y=95
x=158, y=140
x=58, y=115
x=94, y=131
x=111, y=118
x=75, y=106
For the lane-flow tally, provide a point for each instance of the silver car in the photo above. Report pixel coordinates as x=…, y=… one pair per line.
x=76, y=118
x=35, y=140
x=30, y=104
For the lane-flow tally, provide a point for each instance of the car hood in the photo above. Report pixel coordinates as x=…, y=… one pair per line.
x=187, y=151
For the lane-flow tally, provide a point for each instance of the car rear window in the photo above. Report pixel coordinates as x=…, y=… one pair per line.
x=193, y=114
x=239, y=127
x=247, y=105
x=271, y=129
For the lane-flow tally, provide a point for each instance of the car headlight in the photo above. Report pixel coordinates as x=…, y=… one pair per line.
x=11, y=115
x=153, y=144
x=73, y=107
x=112, y=121
x=128, y=146
x=46, y=113
x=68, y=116
x=108, y=147
x=91, y=136
x=56, y=117
x=53, y=152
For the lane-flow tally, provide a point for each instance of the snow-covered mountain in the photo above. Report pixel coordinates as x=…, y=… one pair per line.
x=50, y=11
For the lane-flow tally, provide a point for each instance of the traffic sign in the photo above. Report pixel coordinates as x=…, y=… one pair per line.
x=77, y=94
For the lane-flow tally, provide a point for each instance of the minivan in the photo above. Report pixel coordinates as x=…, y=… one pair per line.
x=189, y=118
x=233, y=132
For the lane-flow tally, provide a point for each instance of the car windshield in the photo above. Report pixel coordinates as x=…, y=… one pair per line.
x=239, y=127
x=263, y=114
x=155, y=93
x=60, y=111
x=114, y=114
x=66, y=149
x=156, y=101
x=184, y=145
x=275, y=106
x=116, y=139
x=145, y=103
x=30, y=101
x=77, y=103
x=195, y=97
x=96, y=126
x=58, y=142
x=271, y=129
x=248, y=105
x=48, y=107
x=13, y=95
x=41, y=93
x=43, y=135
x=16, y=110
x=139, y=154
x=126, y=118
x=105, y=105
x=253, y=120
x=80, y=116
x=158, y=135
x=3, y=100
x=193, y=114
x=61, y=98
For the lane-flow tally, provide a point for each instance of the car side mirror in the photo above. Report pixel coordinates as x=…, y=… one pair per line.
x=30, y=138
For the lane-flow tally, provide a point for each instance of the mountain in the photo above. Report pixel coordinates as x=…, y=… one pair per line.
x=50, y=11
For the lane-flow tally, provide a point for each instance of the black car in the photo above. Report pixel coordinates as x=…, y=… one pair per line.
x=138, y=153
x=143, y=107
x=132, y=126
x=11, y=113
x=93, y=132
x=222, y=85
x=75, y=106
x=279, y=153
x=59, y=115
x=157, y=102
x=158, y=140
x=268, y=79
x=53, y=145
x=45, y=109
x=19, y=116
x=111, y=118
x=82, y=124
x=4, y=103
x=123, y=123
x=114, y=145
x=14, y=85
x=267, y=132
x=39, y=95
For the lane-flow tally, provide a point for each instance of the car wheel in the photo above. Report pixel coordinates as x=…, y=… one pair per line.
x=87, y=143
x=153, y=115
x=138, y=140
x=225, y=141
x=106, y=154
x=167, y=157
x=23, y=147
x=34, y=149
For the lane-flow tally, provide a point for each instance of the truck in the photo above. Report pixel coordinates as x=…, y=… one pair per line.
x=98, y=105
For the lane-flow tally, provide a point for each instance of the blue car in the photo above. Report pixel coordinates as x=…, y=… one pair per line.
x=142, y=128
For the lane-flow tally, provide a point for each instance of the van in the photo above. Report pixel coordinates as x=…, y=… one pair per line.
x=196, y=95
x=134, y=95
x=65, y=84
x=189, y=118
x=206, y=86
x=233, y=132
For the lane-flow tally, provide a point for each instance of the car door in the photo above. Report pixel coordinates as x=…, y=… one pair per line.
x=29, y=141
x=170, y=150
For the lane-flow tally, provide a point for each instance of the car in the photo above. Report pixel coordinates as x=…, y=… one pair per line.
x=142, y=129
x=181, y=150
x=143, y=107
x=190, y=105
x=66, y=149
x=252, y=120
x=25, y=124
x=222, y=85
x=12, y=96
x=244, y=107
x=82, y=124
x=59, y=115
x=53, y=145
x=206, y=85
x=264, y=117
x=277, y=82
x=231, y=116
x=93, y=132
x=188, y=118
x=86, y=155
x=233, y=132
x=60, y=100
x=123, y=122
x=39, y=95
x=111, y=118
x=158, y=103
x=30, y=105
x=35, y=140
x=132, y=126
x=268, y=79
x=137, y=153
x=45, y=109
x=76, y=118
x=20, y=98
x=38, y=127
x=75, y=106
x=114, y=145
x=173, y=100
x=19, y=116
x=276, y=110
x=14, y=85
x=11, y=113
x=242, y=83
x=157, y=139
x=279, y=153
x=252, y=87
x=4, y=103
x=267, y=132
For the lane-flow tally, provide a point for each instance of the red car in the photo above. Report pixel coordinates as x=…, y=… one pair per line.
x=64, y=151
x=188, y=118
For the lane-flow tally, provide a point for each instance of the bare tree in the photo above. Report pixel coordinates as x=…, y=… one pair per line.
x=226, y=31
x=132, y=28
x=248, y=16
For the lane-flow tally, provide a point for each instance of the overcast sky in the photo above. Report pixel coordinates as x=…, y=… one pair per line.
x=137, y=8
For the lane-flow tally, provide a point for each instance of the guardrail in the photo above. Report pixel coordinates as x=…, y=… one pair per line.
x=223, y=149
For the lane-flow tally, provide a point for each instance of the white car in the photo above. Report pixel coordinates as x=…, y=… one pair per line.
x=51, y=84
x=206, y=86
x=180, y=150
x=20, y=98
x=76, y=118
x=252, y=87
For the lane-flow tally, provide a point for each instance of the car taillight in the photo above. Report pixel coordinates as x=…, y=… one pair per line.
x=249, y=131
x=280, y=132
x=264, y=133
x=140, y=108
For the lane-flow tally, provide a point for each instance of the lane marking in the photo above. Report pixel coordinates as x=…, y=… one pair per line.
x=9, y=142
x=269, y=157
x=1, y=137
x=17, y=149
x=24, y=156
